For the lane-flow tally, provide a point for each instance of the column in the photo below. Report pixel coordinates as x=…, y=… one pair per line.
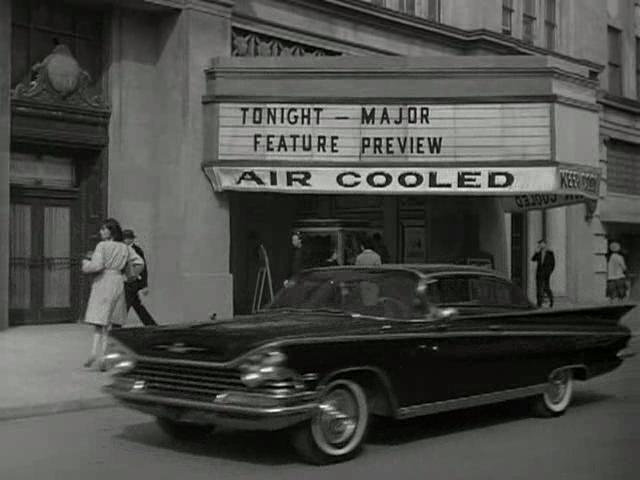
x=5, y=143
x=556, y=228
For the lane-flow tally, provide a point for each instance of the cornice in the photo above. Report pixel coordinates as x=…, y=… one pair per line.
x=397, y=67
x=377, y=99
x=624, y=104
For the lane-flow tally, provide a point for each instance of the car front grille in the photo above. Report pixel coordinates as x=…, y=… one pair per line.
x=194, y=382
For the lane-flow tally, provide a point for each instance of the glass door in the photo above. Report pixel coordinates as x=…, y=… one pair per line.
x=43, y=261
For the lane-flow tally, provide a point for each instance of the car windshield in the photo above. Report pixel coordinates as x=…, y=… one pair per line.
x=367, y=292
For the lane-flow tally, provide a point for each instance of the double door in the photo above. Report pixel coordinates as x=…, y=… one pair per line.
x=44, y=257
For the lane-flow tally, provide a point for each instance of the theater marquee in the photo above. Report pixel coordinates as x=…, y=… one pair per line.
x=478, y=149
x=389, y=133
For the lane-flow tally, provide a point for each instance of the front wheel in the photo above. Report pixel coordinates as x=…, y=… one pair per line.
x=557, y=396
x=337, y=428
x=184, y=431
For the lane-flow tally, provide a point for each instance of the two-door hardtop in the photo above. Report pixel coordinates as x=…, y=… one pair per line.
x=340, y=344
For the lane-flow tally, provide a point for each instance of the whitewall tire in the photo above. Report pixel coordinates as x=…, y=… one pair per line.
x=557, y=396
x=338, y=427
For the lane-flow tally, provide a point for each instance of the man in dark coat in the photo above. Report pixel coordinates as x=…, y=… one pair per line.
x=546, y=263
x=134, y=288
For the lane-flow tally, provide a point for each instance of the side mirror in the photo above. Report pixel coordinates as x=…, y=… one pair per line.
x=446, y=313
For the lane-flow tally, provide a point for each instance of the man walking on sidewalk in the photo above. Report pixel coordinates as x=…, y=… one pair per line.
x=546, y=263
x=134, y=288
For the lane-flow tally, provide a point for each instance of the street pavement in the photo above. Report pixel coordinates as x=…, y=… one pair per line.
x=597, y=439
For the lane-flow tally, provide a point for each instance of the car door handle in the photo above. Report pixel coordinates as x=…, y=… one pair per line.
x=496, y=328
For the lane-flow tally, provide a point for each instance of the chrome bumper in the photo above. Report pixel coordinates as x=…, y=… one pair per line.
x=626, y=353
x=247, y=411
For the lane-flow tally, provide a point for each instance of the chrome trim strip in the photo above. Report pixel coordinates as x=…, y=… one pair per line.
x=377, y=336
x=467, y=402
x=212, y=407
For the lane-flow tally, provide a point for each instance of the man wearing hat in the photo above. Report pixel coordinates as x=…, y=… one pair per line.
x=616, y=274
x=133, y=288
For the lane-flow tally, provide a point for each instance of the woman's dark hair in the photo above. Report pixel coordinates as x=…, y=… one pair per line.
x=114, y=227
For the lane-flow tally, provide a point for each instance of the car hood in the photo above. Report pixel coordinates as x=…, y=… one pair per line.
x=223, y=341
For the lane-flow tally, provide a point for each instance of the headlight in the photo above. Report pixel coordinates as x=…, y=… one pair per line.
x=264, y=367
x=118, y=358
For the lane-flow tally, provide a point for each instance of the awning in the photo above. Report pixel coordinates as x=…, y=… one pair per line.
x=523, y=187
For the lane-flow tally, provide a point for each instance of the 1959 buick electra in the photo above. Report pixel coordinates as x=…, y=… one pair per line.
x=339, y=345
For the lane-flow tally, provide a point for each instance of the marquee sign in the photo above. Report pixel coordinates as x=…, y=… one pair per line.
x=391, y=133
x=521, y=184
x=419, y=149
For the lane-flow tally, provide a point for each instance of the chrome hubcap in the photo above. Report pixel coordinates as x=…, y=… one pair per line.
x=557, y=388
x=337, y=417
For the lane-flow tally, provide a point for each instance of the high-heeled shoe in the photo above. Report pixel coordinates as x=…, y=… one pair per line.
x=89, y=362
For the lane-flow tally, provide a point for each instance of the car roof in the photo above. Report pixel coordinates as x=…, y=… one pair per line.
x=424, y=270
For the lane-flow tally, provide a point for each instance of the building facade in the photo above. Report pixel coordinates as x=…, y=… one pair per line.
x=112, y=108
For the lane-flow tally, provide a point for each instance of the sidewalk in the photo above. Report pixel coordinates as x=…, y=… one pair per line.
x=41, y=369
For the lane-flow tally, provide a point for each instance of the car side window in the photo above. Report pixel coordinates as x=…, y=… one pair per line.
x=490, y=291
x=475, y=290
x=449, y=290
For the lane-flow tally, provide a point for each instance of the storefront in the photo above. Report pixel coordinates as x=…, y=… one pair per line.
x=432, y=153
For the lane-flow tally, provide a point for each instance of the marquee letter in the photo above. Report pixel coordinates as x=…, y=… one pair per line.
x=507, y=179
x=301, y=177
x=341, y=179
x=433, y=181
x=249, y=176
x=371, y=179
x=468, y=180
x=368, y=118
x=418, y=179
x=244, y=114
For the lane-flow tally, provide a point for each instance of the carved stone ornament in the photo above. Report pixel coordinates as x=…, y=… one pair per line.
x=252, y=44
x=59, y=79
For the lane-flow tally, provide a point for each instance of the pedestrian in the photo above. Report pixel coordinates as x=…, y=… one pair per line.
x=380, y=248
x=546, y=261
x=134, y=287
x=297, y=261
x=107, y=307
x=367, y=255
x=616, y=274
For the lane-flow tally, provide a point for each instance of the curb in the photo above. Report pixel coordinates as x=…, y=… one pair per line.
x=10, y=413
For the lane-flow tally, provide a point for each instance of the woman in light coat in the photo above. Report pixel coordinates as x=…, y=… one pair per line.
x=107, y=306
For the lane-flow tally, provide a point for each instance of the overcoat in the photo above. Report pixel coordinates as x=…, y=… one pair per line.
x=107, y=304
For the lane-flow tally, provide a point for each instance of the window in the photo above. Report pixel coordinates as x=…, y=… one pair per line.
x=433, y=10
x=550, y=24
x=529, y=21
x=507, y=17
x=614, y=37
x=379, y=3
x=638, y=67
x=38, y=24
x=407, y=6
x=384, y=294
x=623, y=169
x=475, y=291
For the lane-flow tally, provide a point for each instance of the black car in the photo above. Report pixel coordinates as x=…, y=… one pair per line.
x=339, y=345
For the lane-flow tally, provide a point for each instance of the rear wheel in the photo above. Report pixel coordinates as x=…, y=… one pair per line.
x=337, y=428
x=557, y=396
x=183, y=430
